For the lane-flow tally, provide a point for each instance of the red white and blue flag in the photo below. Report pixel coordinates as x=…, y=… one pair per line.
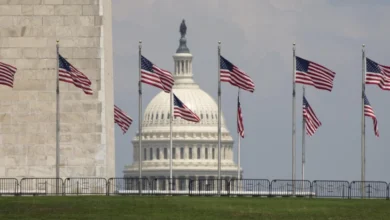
x=182, y=111
x=122, y=119
x=314, y=74
x=369, y=112
x=233, y=75
x=240, y=122
x=377, y=74
x=155, y=76
x=7, y=73
x=312, y=123
x=68, y=73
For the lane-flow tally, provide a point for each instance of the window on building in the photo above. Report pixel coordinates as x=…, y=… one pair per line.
x=224, y=153
x=181, y=153
x=145, y=158
x=206, y=153
x=173, y=153
x=158, y=153
x=212, y=116
x=198, y=153
x=201, y=116
x=157, y=116
x=151, y=117
x=207, y=116
x=165, y=153
x=190, y=153
x=151, y=154
x=213, y=153
x=162, y=116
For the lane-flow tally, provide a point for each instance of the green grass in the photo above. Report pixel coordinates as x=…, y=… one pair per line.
x=138, y=208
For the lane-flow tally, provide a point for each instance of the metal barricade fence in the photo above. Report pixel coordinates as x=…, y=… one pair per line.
x=126, y=186
x=368, y=189
x=9, y=186
x=250, y=187
x=41, y=186
x=331, y=188
x=200, y=186
x=291, y=188
x=207, y=187
x=85, y=186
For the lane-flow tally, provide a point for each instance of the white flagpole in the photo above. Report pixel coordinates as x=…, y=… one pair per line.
x=293, y=122
x=303, y=142
x=171, y=140
x=140, y=119
x=57, y=120
x=239, y=146
x=363, y=134
x=219, y=121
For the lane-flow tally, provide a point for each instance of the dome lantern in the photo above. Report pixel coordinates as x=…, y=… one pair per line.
x=183, y=60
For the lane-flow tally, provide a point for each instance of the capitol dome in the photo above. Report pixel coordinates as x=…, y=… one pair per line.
x=156, y=116
x=195, y=145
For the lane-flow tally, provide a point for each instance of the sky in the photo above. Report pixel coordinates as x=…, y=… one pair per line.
x=257, y=36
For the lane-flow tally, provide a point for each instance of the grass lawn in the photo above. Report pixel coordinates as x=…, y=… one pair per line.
x=153, y=207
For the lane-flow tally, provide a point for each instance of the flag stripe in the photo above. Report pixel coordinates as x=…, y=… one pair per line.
x=182, y=111
x=312, y=123
x=240, y=121
x=369, y=112
x=155, y=76
x=377, y=74
x=70, y=74
x=233, y=75
x=314, y=74
x=7, y=73
x=123, y=120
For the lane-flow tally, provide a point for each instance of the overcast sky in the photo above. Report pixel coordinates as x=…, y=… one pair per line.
x=257, y=36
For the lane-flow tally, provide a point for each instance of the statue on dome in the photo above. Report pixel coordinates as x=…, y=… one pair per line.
x=183, y=29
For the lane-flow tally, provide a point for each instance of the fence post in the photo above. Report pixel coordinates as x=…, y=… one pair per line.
x=270, y=188
x=63, y=187
x=311, y=190
x=388, y=193
x=369, y=191
x=108, y=188
x=77, y=187
x=349, y=190
x=189, y=186
x=17, y=188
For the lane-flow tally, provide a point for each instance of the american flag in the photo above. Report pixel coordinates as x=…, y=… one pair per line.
x=123, y=120
x=7, y=73
x=240, y=122
x=182, y=111
x=312, y=123
x=377, y=74
x=68, y=73
x=155, y=76
x=313, y=74
x=369, y=112
x=232, y=74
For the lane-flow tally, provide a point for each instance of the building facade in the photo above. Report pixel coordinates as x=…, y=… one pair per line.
x=28, y=33
x=195, y=145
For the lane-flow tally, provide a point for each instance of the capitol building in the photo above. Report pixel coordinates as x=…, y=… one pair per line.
x=195, y=145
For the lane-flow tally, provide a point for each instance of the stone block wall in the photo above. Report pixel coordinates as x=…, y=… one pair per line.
x=28, y=33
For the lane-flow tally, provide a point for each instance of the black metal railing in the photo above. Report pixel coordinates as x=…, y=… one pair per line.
x=194, y=187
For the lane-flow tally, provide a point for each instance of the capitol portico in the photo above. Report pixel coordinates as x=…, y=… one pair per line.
x=195, y=145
